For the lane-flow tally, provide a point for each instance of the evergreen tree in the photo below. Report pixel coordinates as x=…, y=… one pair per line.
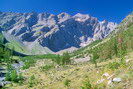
x=94, y=58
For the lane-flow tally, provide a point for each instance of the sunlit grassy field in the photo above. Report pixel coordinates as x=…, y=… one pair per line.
x=77, y=75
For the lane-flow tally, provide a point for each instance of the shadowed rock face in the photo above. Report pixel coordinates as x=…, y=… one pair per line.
x=56, y=32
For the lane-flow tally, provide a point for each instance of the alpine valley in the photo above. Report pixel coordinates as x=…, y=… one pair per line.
x=46, y=51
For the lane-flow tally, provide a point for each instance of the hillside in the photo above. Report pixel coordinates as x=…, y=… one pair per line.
x=109, y=45
x=78, y=75
x=18, y=46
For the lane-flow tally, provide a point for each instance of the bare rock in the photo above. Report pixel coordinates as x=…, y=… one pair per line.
x=117, y=80
x=100, y=81
x=53, y=33
x=106, y=75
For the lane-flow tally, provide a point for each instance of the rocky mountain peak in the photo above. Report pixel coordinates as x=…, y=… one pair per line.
x=63, y=17
x=54, y=32
x=81, y=17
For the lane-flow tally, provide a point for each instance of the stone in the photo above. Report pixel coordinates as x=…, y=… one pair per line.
x=109, y=82
x=100, y=81
x=105, y=74
x=117, y=80
x=1, y=84
x=127, y=60
x=2, y=79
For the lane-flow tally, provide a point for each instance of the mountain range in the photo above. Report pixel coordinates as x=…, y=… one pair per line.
x=42, y=33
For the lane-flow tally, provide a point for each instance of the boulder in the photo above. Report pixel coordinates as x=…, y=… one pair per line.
x=1, y=84
x=117, y=80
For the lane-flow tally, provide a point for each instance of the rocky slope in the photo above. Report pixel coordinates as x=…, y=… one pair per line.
x=53, y=33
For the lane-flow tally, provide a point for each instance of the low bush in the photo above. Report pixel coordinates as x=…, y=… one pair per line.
x=31, y=60
x=46, y=67
x=28, y=63
x=88, y=85
x=116, y=65
x=113, y=65
x=31, y=81
x=62, y=60
x=14, y=76
x=67, y=82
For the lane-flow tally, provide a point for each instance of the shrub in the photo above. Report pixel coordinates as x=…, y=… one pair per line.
x=94, y=58
x=32, y=81
x=62, y=60
x=31, y=60
x=57, y=59
x=28, y=63
x=66, y=58
x=113, y=65
x=87, y=85
x=14, y=76
x=46, y=67
x=67, y=82
x=116, y=65
x=5, y=55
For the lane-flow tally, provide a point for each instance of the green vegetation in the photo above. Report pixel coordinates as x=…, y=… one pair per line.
x=1, y=39
x=31, y=60
x=14, y=43
x=81, y=50
x=95, y=57
x=74, y=76
x=62, y=60
x=5, y=53
x=12, y=75
x=67, y=82
x=117, y=46
x=32, y=81
x=28, y=63
x=6, y=57
x=88, y=85
x=47, y=67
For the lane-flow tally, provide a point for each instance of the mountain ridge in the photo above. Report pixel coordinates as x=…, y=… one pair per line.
x=55, y=32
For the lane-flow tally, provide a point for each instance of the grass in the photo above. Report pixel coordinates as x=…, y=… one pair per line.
x=31, y=60
x=46, y=67
x=14, y=43
x=75, y=76
x=81, y=50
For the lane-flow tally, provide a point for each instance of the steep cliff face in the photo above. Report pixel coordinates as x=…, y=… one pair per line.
x=55, y=32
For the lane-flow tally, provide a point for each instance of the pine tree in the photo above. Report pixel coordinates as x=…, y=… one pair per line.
x=95, y=57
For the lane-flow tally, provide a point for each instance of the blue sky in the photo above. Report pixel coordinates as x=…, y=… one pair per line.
x=111, y=10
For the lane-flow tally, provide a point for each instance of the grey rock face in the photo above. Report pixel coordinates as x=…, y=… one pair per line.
x=55, y=32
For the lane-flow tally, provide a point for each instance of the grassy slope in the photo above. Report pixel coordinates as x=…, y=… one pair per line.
x=77, y=74
x=17, y=45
